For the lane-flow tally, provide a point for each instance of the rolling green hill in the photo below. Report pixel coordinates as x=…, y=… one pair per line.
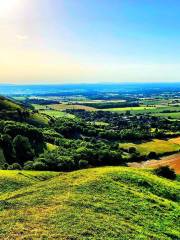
x=14, y=110
x=8, y=104
x=102, y=203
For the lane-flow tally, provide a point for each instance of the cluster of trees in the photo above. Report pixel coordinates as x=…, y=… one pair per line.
x=104, y=105
x=20, y=142
x=40, y=101
x=77, y=154
x=122, y=127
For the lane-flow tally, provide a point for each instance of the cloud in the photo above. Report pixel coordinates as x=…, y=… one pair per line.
x=22, y=37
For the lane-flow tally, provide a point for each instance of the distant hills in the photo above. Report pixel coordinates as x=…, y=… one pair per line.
x=79, y=88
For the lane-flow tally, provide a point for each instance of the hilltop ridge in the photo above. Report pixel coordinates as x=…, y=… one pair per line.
x=102, y=203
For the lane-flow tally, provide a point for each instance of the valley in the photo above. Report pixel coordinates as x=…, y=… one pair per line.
x=90, y=166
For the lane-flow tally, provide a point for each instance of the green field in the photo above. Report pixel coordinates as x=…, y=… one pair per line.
x=64, y=106
x=156, y=145
x=57, y=114
x=102, y=203
x=174, y=115
x=139, y=109
x=153, y=110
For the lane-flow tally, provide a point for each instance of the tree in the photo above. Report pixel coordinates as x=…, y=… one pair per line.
x=83, y=163
x=152, y=155
x=166, y=172
x=132, y=150
x=6, y=145
x=23, y=149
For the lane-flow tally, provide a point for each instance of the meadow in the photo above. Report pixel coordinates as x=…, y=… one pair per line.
x=153, y=110
x=56, y=113
x=156, y=145
x=64, y=106
x=173, y=115
x=102, y=203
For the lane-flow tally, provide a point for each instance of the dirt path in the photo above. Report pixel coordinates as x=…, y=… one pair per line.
x=173, y=161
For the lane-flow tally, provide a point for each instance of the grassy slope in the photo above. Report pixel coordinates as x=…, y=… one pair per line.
x=156, y=145
x=8, y=104
x=102, y=203
x=12, y=106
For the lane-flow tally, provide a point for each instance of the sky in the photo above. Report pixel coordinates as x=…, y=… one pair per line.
x=64, y=41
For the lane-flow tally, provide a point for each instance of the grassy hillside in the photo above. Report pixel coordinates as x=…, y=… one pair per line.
x=102, y=203
x=7, y=104
x=9, y=111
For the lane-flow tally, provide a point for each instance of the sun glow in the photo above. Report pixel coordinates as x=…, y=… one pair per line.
x=7, y=7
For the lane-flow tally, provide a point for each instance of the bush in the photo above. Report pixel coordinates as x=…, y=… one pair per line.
x=39, y=166
x=28, y=165
x=5, y=166
x=132, y=150
x=23, y=149
x=83, y=163
x=66, y=163
x=166, y=172
x=152, y=155
x=14, y=166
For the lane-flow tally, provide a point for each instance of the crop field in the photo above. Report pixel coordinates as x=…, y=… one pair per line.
x=70, y=106
x=101, y=203
x=156, y=145
x=124, y=109
x=175, y=140
x=162, y=111
x=172, y=161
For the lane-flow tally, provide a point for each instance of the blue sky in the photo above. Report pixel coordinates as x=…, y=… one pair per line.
x=57, y=41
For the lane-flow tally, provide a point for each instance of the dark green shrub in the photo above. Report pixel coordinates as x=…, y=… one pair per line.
x=5, y=166
x=166, y=172
x=152, y=155
x=14, y=166
x=83, y=163
x=23, y=149
x=132, y=150
x=39, y=166
x=28, y=165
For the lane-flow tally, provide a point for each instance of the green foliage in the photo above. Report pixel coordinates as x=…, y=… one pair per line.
x=23, y=149
x=152, y=155
x=83, y=163
x=132, y=150
x=28, y=165
x=166, y=172
x=14, y=166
